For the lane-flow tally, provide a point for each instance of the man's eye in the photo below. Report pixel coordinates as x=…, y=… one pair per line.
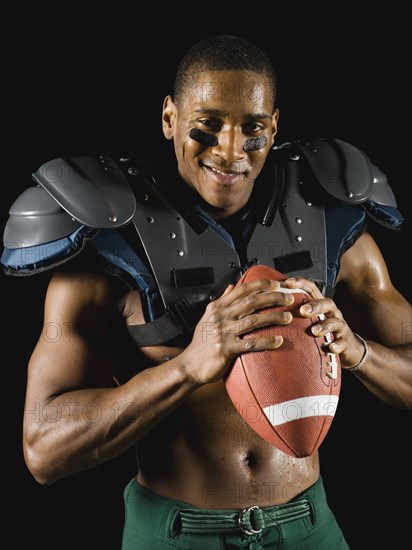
x=251, y=128
x=211, y=124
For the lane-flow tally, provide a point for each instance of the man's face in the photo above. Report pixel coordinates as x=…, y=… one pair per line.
x=235, y=108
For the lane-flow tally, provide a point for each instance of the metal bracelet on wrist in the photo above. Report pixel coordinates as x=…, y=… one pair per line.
x=364, y=356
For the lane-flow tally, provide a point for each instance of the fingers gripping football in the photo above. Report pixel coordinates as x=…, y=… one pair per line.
x=330, y=322
x=218, y=337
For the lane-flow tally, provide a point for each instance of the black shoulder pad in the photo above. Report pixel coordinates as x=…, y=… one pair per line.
x=343, y=170
x=36, y=218
x=346, y=172
x=92, y=189
x=381, y=191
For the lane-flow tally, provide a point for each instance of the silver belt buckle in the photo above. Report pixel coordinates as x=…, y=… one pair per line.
x=250, y=531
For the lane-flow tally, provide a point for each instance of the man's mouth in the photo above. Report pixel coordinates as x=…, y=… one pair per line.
x=224, y=176
x=224, y=172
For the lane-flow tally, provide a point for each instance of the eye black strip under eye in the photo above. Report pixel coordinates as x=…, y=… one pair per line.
x=203, y=137
x=254, y=144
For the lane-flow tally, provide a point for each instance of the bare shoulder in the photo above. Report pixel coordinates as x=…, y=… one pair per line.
x=363, y=264
x=71, y=292
x=367, y=296
x=83, y=325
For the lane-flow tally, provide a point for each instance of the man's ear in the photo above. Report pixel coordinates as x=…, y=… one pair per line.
x=169, y=117
x=275, y=120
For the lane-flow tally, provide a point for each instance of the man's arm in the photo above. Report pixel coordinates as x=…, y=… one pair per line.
x=373, y=308
x=75, y=417
x=383, y=317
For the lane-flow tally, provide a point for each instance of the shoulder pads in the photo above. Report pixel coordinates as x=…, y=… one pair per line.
x=36, y=218
x=75, y=197
x=345, y=172
x=92, y=189
x=86, y=191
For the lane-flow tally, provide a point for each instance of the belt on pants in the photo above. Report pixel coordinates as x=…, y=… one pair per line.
x=250, y=521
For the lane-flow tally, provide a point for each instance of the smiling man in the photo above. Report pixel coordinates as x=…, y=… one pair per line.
x=141, y=267
x=233, y=114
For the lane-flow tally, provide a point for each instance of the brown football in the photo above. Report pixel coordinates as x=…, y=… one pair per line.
x=287, y=395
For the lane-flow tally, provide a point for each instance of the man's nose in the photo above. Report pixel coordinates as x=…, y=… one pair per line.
x=230, y=145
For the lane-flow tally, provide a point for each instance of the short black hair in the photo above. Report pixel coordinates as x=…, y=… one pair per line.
x=222, y=52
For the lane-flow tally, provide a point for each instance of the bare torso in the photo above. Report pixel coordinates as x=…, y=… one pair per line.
x=206, y=454
x=192, y=444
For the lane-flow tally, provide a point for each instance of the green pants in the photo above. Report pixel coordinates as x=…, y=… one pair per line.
x=154, y=522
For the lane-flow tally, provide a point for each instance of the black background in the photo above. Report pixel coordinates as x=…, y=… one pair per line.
x=91, y=77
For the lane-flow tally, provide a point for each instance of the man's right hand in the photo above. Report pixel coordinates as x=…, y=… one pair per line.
x=217, y=339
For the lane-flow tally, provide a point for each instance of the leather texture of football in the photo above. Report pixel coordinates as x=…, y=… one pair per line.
x=288, y=395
